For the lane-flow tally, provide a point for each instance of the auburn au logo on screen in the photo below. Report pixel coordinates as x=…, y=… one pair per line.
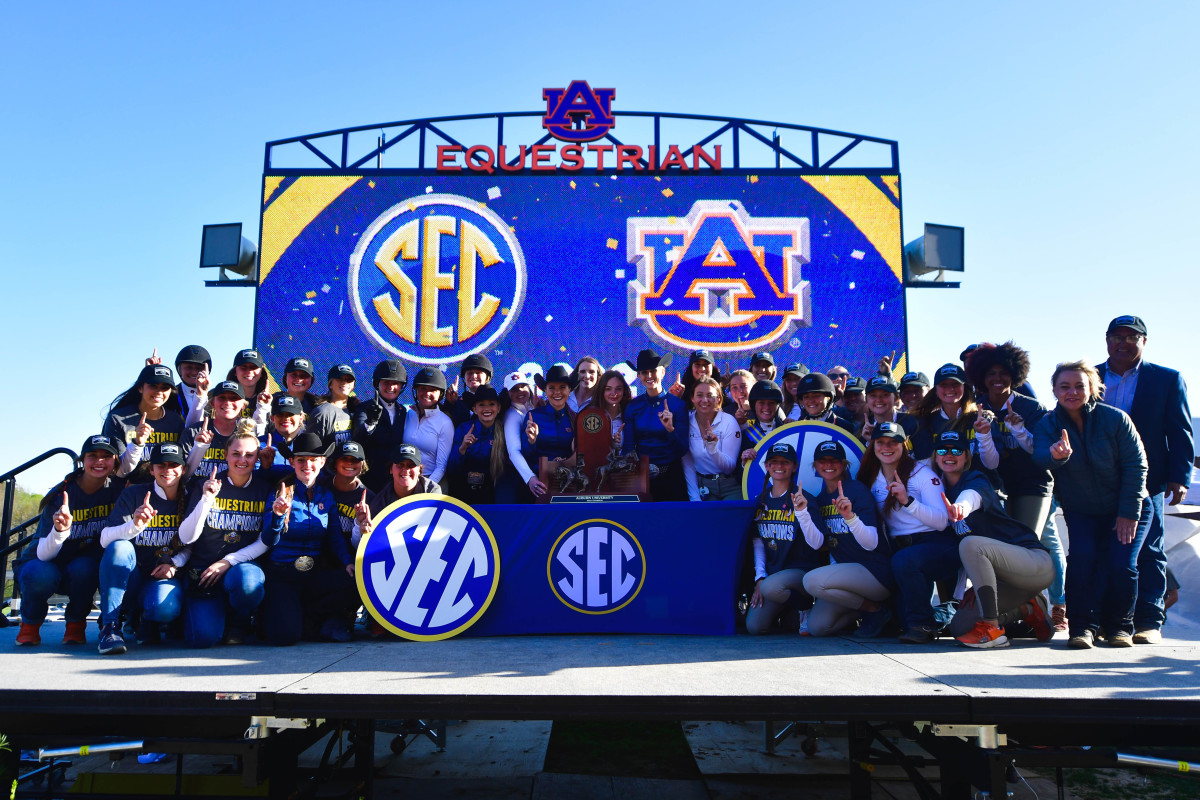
x=578, y=113
x=718, y=278
x=435, y=278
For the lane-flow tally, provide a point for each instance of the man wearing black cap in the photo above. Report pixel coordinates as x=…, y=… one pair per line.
x=379, y=422
x=1155, y=398
x=407, y=480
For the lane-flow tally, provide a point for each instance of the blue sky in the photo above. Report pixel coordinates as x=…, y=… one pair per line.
x=1059, y=135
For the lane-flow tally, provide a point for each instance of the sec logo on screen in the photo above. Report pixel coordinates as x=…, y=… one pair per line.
x=718, y=278
x=596, y=567
x=436, y=278
x=429, y=568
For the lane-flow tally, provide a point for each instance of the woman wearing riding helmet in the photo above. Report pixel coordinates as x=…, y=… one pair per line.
x=782, y=555
x=584, y=378
x=1009, y=569
x=858, y=580
x=333, y=418
x=64, y=555
x=656, y=426
x=302, y=597
x=144, y=415
x=765, y=399
x=815, y=392
x=714, y=444
x=478, y=457
x=908, y=497
x=379, y=423
x=476, y=371
x=226, y=513
x=298, y=378
x=193, y=365
x=427, y=426
x=951, y=406
x=141, y=544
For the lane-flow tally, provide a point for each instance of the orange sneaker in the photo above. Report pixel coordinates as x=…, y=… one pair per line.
x=76, y=633
x=984, y=635
x=29, y=635
x=1058, y=616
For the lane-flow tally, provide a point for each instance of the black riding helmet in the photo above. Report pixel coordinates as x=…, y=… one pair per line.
x=815, y=382
x=765, y=390
x=391, y=370
x=476, y=361
x=429, y=376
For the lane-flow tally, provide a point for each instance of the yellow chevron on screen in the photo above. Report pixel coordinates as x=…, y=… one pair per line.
x=871, y=211
x=292, y=211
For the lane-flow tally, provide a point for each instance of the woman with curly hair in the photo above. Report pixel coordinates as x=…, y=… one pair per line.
x=996, y=372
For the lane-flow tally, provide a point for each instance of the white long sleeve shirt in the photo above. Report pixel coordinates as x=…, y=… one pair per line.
x=433, y=435
x=514, y=434
x=927, y=512
x=711, y=458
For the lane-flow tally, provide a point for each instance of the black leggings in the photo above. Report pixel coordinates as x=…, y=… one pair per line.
x=299, y=602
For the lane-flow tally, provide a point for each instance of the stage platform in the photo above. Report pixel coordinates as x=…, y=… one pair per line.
x=782, y=677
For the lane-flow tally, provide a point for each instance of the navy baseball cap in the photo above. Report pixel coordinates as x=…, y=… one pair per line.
x=797, y=369
x=855, y=386
x=889, y=430
x=286, y=404
x=830, y=449
x=1135, y=324
x=407, y=452
x=763, y=356
x=227, y=387
x=783, y=450
x=157, y=375
x=341, y=371
x=99, y=444
x=951, y=439
x=300, y=365
x=915, y=379
x=882, y=382
x=167, y=453
x=950, y=372
x=351, y=450
x=248, y=356
x=701, y=355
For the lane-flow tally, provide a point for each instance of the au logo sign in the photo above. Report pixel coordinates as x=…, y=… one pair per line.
x=429, y=568
x=578, y=113
x=596, y=567
x=435, y=278
x=718, y=278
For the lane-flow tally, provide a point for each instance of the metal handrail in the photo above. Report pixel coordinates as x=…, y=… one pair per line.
x=9, y=482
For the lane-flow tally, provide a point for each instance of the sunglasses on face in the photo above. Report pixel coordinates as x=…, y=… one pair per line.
x=1132, y=338
x=950, y=451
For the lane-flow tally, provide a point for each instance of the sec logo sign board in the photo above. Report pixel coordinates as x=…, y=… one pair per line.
x=429, y=568
x=596, y=567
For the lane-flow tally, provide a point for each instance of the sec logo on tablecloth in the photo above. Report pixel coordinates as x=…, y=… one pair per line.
x=596, y=567
x=429, y=568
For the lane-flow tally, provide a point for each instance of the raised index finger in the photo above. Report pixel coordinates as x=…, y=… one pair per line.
x=1065, y=440
x=146, y=502
x=65, y=509
x=840, y=495
x=142, y=421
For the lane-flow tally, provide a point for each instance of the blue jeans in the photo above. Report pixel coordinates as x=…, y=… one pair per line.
x=76, y=578
x=160, y=600
x=1150, y=611
x=1102, y=574
x=917, y=568
x=204, y=612
x=1053, y=542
